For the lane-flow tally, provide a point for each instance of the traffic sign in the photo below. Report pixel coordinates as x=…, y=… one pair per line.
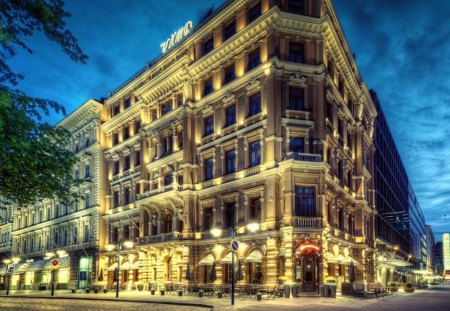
x=234, y=245
x=55, y=263
x=10, y=268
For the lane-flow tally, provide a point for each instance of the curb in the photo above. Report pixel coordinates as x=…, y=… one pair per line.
x=205, y=306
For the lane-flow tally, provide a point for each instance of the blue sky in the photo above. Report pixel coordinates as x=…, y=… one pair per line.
x=402, y=49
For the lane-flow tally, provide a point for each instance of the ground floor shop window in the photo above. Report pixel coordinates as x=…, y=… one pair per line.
x=255, y=272
x=84, y=271
x=135, y=275
x=207, y=273
x=15, y=281
x=46, y=277
x=29, y=280
x=63, y=276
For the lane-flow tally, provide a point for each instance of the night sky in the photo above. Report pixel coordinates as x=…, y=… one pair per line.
x=402, y=49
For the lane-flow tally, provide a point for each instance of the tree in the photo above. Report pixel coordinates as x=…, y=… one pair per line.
x=34, y=160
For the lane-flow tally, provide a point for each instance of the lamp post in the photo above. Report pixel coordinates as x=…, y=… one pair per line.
x=217, y=232
x=14, y=260
x=118, y=247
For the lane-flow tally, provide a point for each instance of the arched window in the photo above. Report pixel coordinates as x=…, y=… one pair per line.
x=168, y=179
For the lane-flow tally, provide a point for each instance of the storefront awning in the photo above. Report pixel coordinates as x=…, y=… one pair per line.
x=394, y=262
x=423, y=272
x=135, y=265
x=208, y=260
x=227, y=259
x=112, y=267
x=255, y=256
x=36, y=266
x=333, y=259
x=21, y=267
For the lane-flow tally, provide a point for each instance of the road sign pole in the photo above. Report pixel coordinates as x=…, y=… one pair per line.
x=7, y=284
x=53, y=281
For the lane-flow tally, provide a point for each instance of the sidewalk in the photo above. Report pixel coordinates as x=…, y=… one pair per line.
x=205, y=303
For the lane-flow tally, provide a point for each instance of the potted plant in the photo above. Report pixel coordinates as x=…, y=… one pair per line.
x=200, y=293
x=162, y=291
x=180, y=292
x=140, y=287
x=88, y=290
x=393, y=287
x=74, y=290
x=408, y=288
x=105, y=291
x=258, y=296
x=96, y=290
x=219, y=294
x=152, y=291
x=281, y=280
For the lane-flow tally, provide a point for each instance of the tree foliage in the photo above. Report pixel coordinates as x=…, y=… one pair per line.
x=34, y=161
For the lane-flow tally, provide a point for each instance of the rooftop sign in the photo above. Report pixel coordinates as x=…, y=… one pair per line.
x=176, y=37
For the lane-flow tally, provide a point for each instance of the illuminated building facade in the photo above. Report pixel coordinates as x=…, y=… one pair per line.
x=446, y=254
x=431, y=249
x=70, y=232
x=258, y=114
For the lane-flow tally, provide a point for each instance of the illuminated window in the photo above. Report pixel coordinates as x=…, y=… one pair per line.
x=254, y=59
x=230, y=115
x=208, y=87
x=296, y=98
x=254, y=105
x=229, y=31
x=255, y=153
x=305, y=201
x=209, y=125
x=230, y=74
x=209, y=169
x=296, y=52
x=254, y=12
x=208, y=45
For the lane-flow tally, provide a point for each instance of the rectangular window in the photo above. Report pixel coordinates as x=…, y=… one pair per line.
x=296, y=6
x=126, y=132
x=208, y=45
x=166, y=108
x=115, y=139
x=209, y=168
x=126, y=195
x=116, y=198
x=255, y=209
x=116, y=110
x=127, y=163
x=137, y=158
x=87, y=200
x=229, y=31
x=86, y=233
x=137, y=126
x=116, y=167
x=296, y=98
x=208, y=87
x=341, y=127
x=87, y=171
x=329, y=112
x=228, y=219
x=230, y=115
x=296, y=52
x=254, y=12
x=207, y=219
x=254, y=105
x=75, y=236
x=255, y=153
x=209, y=125
x=296, y=144
x=305, y=201
x=230, y=162
x=254, y=59
x=128, y=102
x=40, y=215
x=230, y=74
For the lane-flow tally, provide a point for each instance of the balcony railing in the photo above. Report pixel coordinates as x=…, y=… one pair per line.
x=160, y=238
x=308, y=157
x=307, y=222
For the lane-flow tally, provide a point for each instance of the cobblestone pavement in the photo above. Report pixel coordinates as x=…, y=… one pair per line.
x=437, y=298
x=38, y=304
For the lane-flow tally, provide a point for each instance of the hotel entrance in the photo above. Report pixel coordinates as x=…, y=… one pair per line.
x=307, y=254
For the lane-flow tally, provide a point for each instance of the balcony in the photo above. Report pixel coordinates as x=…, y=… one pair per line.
x=163, y=237
x=307, y=157
x=307, y=222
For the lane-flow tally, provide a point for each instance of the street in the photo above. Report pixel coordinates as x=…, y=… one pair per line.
x=436, y=298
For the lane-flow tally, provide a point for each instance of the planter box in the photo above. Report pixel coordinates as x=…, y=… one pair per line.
x=258, y=297
x=162, y=292
x=409, y=290
x=74, y=290
x=105, y=291
x=393, y=289
x=180, y=293
x=200, y=294
x=140, y=287
x=219, y=295
x=152, y=291
x=42, y=287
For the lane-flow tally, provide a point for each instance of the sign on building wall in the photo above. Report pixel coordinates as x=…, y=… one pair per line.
x=176, y=37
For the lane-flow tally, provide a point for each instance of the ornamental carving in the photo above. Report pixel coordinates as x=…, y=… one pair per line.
x=228, y=98
x=318, y=77
x=298, y=79
x=253, y=85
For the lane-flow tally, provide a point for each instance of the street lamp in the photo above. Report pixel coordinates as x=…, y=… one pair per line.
x=110, y=247
x=7, y=261
x=217, y=232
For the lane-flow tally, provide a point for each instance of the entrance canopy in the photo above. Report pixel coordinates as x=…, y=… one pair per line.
x=36, y=266
x=63, y=263
x=227, y=259
x=112, y=267
x=208, y=260
x=307, y=248
x=255, y=257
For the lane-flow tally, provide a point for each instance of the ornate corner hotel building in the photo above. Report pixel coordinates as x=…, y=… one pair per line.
x=259, y=114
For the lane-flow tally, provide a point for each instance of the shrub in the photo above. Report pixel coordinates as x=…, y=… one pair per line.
x=408, y=285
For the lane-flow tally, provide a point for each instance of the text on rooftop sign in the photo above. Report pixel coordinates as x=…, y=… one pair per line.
x=176, y=37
